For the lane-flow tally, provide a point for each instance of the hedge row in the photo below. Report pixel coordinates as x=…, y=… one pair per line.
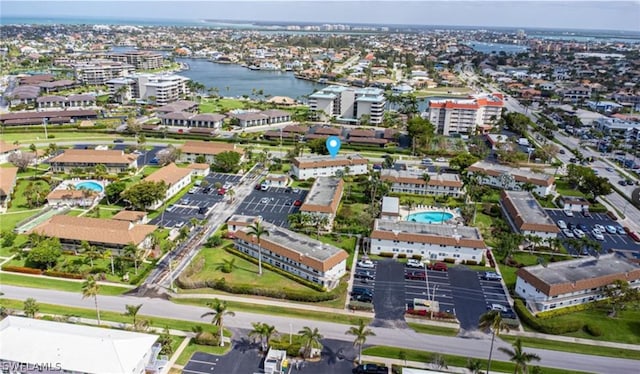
x=545, y=326
x=562, y=311
x=359, y=305
x=62, y=274
x=22, y=269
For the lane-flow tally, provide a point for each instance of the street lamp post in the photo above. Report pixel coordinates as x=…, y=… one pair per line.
x=426, y=280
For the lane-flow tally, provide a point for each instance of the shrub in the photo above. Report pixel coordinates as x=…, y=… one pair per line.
x=358, y=305
x=593, y=330
x=547, y=327
x=386, y=254
x=402, y=255
x=22, y=269
x=562, y=311
x=470, y=262
x=62, y=274
x=450, y=260
x=207, y=338
x=417, y=257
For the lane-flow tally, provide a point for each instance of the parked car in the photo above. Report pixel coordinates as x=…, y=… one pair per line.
x=599, y=227
x=441, y=159
x=366, y=263
x=611, y=230
x=415, y=275
x=363, y=274
x=362, y=298
x=264, y=200
x=583, y=227
x=438, y=266
x=568, y=213
x=413, y=263
x=586, y=213
x=297, y=203
x=221, y=191
x=370, y=369
x=622, y=183
x=568, y=233
x=491, y=275
x=508, y=314
x=578, y=233
x=258, y=187
x=296, y=190
x=498, y=307
x=264, y=186
x=288, y=190
x=118, y=140
x=620, y=230
x=562, y=224
x=634, y=235
x=361, y=291
x=597, y=234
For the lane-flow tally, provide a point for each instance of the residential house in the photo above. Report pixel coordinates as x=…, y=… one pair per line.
x=526, y=216
x=191, y=149
x=323, y=200
x=8, y=177
x=508, y=178
x=115, y=161
x=174, y=177
x=66, y=197
x=434, y=242
x=48, y=116
x=133, y=216
x=568, y=283
x=294, y=253
x=574, y=203
x=414, y=182
x=576, y=93
x=6, y=150
x=199, y=170
x=187, y=119
x=326, y=166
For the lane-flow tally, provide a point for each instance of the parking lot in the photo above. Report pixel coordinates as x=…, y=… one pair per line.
x=223, y=179
x=459, y=291
x=610, y=242
x=274, y=204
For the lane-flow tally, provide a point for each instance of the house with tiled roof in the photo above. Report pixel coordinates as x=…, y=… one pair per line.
x=323, y=200
x=568, y=283
x=191, y=149
x=508, y=178
x=174, y=177
x=434, y=242
x=133, y=216
x=412, y=182
x=315, y=166
x=526, y=216
x=7, y=184
x=72, y=197
x=115, y=161
x=294, y=253
x=104, y=233
x=6, y=150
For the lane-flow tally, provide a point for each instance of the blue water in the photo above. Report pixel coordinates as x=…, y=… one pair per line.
x=430, y=217
x=93, y=186
x=497, y=47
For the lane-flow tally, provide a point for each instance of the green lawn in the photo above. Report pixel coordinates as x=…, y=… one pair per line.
x=54, y=284
x=346, y=319
x=19, y=201
x=574, y=347
x=563, y=189
x=26, y=138
x=192, y=348
x=221, y=105
x=460, y=361
x=433, y=330
x=8, y=221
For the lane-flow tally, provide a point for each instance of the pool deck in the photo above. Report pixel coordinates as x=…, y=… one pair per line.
x=76, y=181
x=404, y=212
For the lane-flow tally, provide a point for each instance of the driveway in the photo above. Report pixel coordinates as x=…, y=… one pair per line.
x=468, y=298
x=389, y=297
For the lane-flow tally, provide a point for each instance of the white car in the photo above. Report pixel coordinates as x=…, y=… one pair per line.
x=498, y=307
x=599, y=227
x=568, y=233
x=413, y=263
x=578, y=233
x=264, y=200
x=597, y=234
x=611, y=229
x=366, y=264
x=441, y=159
x=568, y=213
x=562, y=224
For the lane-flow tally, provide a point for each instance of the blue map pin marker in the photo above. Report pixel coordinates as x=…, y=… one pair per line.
x=333, y=145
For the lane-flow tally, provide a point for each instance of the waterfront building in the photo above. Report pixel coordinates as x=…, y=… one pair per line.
x=159, y=88
x=98, y=72
x=141, y=60
x=260, y=118
x=76, y=348
x=63, y=102
x=464, y=116
x=414, y=182
x=323, y=200
x=526, y=216
x=294, y=253
x=174, y=177
x=568, y=283
x=115, y=161
x=434, y=242
x=348, y=104
x=187, y=119
x=326, y=166
x=508, y=178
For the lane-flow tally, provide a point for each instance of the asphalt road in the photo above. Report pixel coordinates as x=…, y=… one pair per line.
x=403, y=338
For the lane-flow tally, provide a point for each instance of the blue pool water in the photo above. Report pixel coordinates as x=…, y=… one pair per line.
x=430, y=217
x=93, y=186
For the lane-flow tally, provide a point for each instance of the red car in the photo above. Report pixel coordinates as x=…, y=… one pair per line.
x=222, y=191
x=415, y=275
x=438, y=266
x=297, y=203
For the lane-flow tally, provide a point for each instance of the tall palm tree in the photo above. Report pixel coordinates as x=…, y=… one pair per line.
x=90, y=288
x=360, y=332
x=132, y=311
x=257, y=230
x=133, y=253
x=492, y=320
x=310, y=339
x=231, y=193
x=519, y=357
x=219, y=311
x=264, y=333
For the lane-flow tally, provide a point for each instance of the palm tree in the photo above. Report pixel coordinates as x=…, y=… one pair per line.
x=133, y=253
x=257, y=332
x=132, y=311
x=231, y=193
x=109, y=254
x=519, y=357
x=269, y=332
x=360, y=332
x=492, y=320
x=90, y=288
x=264, y=333
x=310, y=339
x=257, y=230
x=474, y=365
x=220, y=310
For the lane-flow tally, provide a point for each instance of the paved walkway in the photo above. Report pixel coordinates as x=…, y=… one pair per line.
x=414, y=364
x=102, y=283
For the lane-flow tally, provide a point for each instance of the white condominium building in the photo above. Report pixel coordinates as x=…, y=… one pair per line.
x=435, y=242
x=163, y=89
x=348, y=104
x=463, y=116
x=98, y=72
x=412, y=182
x=326, y=166
x=508, y=178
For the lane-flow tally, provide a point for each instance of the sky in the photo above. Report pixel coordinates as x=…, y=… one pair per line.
x=594, y=14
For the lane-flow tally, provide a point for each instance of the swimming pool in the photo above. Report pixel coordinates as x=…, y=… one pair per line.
x=90, y=185
x=430, y=217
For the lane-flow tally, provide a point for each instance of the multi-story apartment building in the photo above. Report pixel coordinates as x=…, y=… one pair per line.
x=174, y=177
x=463, y=116
x=323, y=200
x=161, y=89
x=526, y=216
x=617, y=127
x=114, y=161
x=508, y=178
x=326, y=166
x=348, y=104
x=568, y=283
x=435, y=242
x=98, y=72
x=295, y=253
x=62, y=102
x=576, y=93
x=191, y=149
x=141, y=60
x=188, y=119
x=413, y=182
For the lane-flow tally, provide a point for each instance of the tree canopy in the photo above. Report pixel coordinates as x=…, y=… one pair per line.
x=462, y=161
x=45, y=254
x=318, y=146
x=144, y=193
x=226, y=162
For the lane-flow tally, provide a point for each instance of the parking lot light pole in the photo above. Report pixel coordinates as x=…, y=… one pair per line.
x=426, y=279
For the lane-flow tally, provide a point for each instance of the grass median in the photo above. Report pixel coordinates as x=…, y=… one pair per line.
x=55, y=284
x=586, y=349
